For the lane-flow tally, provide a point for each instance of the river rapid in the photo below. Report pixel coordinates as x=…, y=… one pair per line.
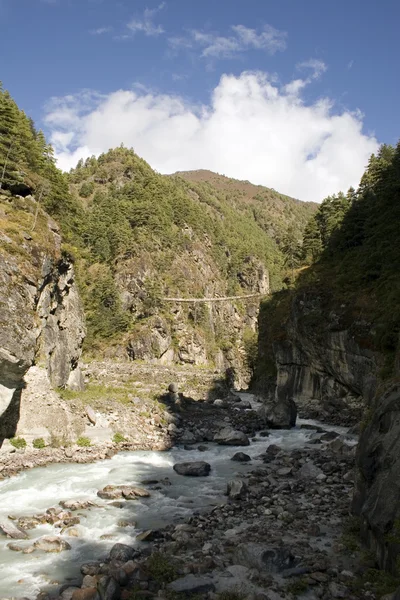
x=172, y=500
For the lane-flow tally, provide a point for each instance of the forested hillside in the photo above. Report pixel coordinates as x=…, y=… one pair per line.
x=281, y=217
x=137, y=237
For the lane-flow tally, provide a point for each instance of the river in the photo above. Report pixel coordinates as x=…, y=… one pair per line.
x=34, y=491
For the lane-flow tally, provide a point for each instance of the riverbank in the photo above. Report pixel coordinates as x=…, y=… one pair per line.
x=287, y=505
x=282, y=532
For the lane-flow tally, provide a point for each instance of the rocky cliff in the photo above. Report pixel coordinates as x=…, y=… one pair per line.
x=41, y=314
x=317, y=354
x=324, y=355
x=332, y=341
x=148, y=238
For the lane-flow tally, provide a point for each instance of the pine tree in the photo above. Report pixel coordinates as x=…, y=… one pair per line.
x=312, y=243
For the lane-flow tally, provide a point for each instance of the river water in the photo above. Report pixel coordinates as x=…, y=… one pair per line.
x=34, y=491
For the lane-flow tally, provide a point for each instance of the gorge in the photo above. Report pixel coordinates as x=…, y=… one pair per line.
x=114, y=383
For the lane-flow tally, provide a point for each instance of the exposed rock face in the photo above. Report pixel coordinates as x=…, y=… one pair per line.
x=319, y=361
x=325, y=359
x=62, y=326
x=41, y=317
x=184, y=335
x=377, y=491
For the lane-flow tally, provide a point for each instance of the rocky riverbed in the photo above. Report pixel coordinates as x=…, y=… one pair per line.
x=253, y=515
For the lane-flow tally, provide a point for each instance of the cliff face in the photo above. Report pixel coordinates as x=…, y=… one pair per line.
x=318, y=357
x=323, y=355
x=202, y=333
x=41, y=315
x=376, y=497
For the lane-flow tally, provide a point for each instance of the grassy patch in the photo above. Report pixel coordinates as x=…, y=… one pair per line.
x=378, y=582
x=83, y=442
x=95, y=392
x=18, y=443
x=298, y=586
x=39, y=443
x=160, y=568
x=351, y=534
x=231, y=595
x=118, y=438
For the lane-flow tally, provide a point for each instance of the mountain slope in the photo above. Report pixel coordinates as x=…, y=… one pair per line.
x=146, y=237
x=275, y=213
x=332, y=342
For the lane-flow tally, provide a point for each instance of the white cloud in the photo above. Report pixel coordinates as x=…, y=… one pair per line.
x=145, y=24
x=317, y=66
x=253, y=128
x=214, y=45
x=100, y=30
x=350, y=64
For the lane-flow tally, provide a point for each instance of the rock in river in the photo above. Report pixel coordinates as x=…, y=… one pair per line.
x=50, y=543
x=12, y=531
x=241, y=457
x=193, y=469
x=230, y=437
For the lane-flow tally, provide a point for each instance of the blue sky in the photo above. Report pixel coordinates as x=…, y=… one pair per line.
x=293, y=94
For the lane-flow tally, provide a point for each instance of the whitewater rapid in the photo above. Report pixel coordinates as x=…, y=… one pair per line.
x=34, y=491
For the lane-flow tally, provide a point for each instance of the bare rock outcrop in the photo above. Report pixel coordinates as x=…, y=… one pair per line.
x=41, y=317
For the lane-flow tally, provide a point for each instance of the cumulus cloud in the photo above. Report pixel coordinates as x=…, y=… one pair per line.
x=243, y=38
x=252, y=128
x=145, y=23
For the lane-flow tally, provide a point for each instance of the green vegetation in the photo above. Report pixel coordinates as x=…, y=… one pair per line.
x=351, y=534
x=250, y=344
x=129, y=229
x=83, y=442
x=161, y=568
x=27, y=165
x=39, y=443
x=352, y=247
x=154, y=222
x=297, y=587
x=18, y=443
x=118, y=438
x=94, y=392
x=231, y=595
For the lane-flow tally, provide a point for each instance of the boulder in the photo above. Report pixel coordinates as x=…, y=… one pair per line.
x=109, y=588
x=245, y=405
x=268, y=559
x=230, y=437
x=133, y=491
x=339, y=446
x=191, y=584
x=193, y=469
x=282, y=415
x=218, y=402
x=328, y=436
x=91, y=415
x=148, y=536
x=129, y=492
x=12, y=531
x=49, y=543
x=120, y=552
x=309, y=471
x=236, y=489
x=76, y=504
x=241, y=457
